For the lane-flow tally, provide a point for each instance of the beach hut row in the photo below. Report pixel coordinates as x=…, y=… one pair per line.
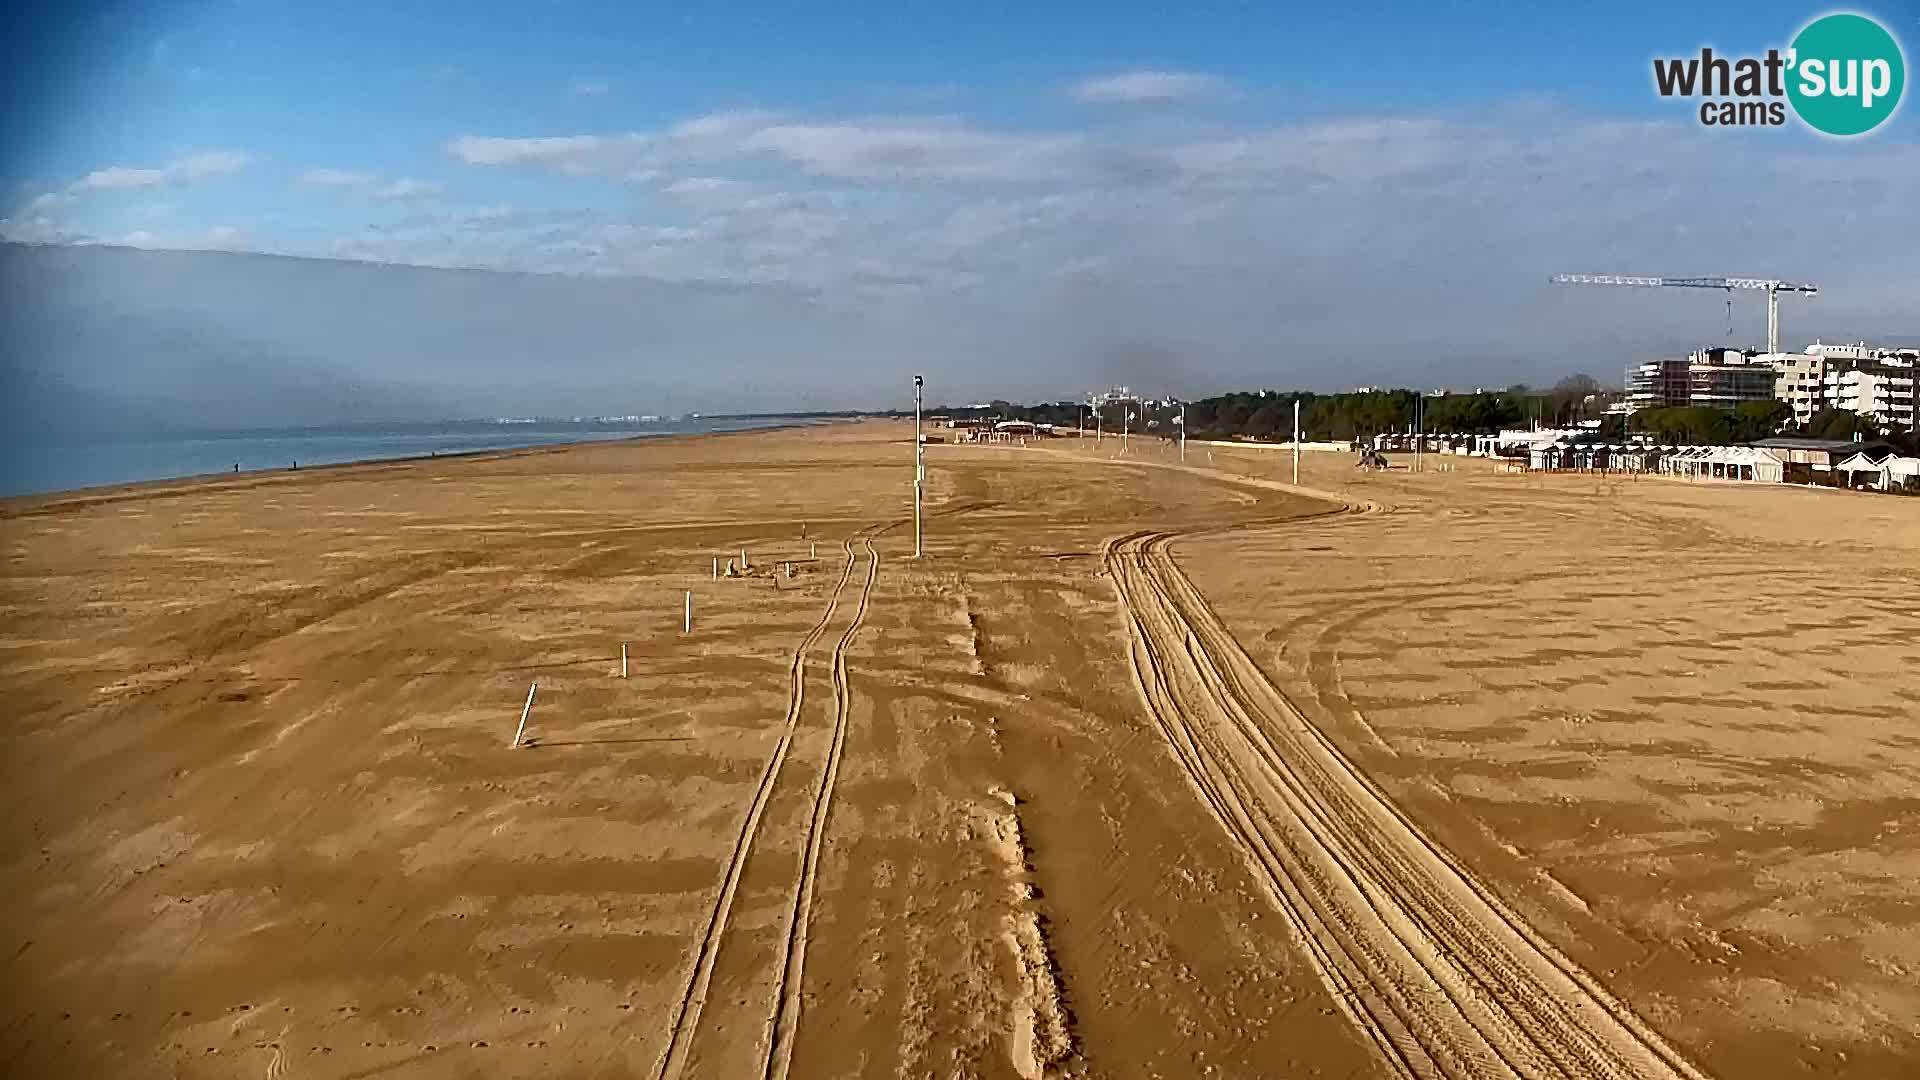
x=1749, y=463
x=1594, y=457
x=1877, y=468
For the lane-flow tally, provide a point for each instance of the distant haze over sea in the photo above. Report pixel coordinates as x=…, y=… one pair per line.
x=35, y=468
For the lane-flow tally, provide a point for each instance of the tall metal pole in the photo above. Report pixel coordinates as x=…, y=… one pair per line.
x=1419, y=399
x=919, y=465
x=1296, y=440
x=1183, y=433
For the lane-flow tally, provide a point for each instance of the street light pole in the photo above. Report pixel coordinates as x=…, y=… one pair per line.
x=1296, y=440
x=1419, y=406
x=1183, y=433
x=919, y=465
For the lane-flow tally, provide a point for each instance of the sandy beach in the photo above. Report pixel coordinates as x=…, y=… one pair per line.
x=1146, y=770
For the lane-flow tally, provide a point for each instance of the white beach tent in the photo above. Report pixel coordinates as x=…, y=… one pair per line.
x=1900, y=472
x=1888, y=473
x=1767, y=467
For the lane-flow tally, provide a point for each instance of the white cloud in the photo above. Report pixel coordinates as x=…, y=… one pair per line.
x=339, y=178
x=216, y=238
x=184, y=171
x=922, y=151
x=721, y=129
x=1355, y=241
x=710, y=192
x=912, y=152
x=566, y=152
x=117, y=177
x=1133, y=87
x=407, y=189
x=215, y=163
x=591, y=87
x=45, y=202
x=33, y=230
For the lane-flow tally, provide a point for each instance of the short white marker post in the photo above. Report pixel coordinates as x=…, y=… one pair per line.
x=789, y=571
x=716, y=568
x=623, y=659
x=743, y=559
x=813, y=552
x=524, y=712
x=687, y=621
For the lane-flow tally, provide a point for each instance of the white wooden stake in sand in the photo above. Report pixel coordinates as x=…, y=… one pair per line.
x=813, y=552
x=623, y=659
x=716, y=568
x=524, y=711
x=743, y=560
x=687, y=622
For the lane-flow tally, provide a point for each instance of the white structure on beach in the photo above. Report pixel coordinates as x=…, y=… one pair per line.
x=1887, y=473
x=1724, y=463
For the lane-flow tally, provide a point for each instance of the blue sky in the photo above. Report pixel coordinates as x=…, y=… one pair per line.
x=1187, y=179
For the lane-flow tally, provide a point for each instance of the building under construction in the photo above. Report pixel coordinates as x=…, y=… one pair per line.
x=1710, y=378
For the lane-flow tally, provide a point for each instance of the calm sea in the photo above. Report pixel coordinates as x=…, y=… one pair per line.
x=36, y=469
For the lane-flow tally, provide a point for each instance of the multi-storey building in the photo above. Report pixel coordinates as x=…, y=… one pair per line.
x=1882, y=388
x=1859, y=378
x=1658, y=384
x=1711, y=378
x=1797, y=379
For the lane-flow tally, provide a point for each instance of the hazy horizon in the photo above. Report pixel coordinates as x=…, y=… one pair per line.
x=272, y=218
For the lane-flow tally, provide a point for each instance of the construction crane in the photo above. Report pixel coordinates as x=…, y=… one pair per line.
x=1773, y=288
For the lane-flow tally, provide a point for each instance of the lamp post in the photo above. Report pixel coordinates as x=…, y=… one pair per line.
x=1296, y=440
x=919, y=465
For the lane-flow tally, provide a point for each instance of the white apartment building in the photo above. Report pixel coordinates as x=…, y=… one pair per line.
x=1797, y=381
x=1883, y=389
x=1859, y=378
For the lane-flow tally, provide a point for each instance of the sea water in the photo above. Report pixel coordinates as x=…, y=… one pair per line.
x=39, y=468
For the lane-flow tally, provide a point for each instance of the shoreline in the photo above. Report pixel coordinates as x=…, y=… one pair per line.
x=30, y=505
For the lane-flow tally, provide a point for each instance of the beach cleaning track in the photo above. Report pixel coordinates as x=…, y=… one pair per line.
x=784, y=1008
x=1443, y=978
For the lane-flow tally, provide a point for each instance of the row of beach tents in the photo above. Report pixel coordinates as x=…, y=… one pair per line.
x=1881, y=469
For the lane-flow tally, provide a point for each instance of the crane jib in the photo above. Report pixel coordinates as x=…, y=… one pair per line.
x=1771, y=287
x=1767, y=284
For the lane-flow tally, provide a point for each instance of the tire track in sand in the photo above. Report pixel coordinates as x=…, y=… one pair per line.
x=1424, y=959
x=784, y=1024
x=686, y=1019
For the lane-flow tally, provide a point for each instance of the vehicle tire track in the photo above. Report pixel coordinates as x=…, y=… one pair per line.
x=686, y=1019
x=1441, y=976
x=784, y=1023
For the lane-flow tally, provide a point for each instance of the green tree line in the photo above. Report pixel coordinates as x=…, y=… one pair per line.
x=1268, y=414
